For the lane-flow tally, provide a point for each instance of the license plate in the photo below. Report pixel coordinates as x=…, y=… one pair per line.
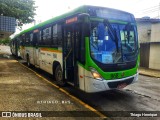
x=121, y=86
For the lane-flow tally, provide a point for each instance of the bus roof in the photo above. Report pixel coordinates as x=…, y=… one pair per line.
x=81, y=9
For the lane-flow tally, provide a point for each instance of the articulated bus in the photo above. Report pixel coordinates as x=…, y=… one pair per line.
x=92, y=48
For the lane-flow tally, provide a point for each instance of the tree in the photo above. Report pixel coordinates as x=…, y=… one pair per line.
x=22, y=10
x=5, y=41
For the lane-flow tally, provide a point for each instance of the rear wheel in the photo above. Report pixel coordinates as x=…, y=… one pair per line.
x=59, y=76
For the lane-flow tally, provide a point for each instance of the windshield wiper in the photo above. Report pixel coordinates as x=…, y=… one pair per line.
x=96, y=47
x=112, y=32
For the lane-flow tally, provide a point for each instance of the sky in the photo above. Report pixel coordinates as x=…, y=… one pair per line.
x=47, y=9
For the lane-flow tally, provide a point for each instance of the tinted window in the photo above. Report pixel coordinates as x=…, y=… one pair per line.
x=27, y=40
x=47, y=36
x=57, y=35
x=31, y=37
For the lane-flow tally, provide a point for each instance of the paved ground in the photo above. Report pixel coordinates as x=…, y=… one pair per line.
x=25, y=91
x=22, y=90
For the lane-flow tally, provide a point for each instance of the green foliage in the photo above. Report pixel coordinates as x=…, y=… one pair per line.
x=5, y=41
x=22, y=10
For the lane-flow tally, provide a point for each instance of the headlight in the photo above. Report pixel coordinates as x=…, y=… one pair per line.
x=95, y=74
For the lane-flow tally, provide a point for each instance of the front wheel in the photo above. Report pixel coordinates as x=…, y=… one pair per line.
x=59, y=76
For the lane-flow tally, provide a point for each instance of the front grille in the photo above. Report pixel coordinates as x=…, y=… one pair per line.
x=115, y=84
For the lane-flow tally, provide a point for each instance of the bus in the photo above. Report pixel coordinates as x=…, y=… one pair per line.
x=14, y=47
x=91, y=48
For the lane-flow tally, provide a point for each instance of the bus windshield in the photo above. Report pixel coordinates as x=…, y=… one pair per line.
x=113, y=46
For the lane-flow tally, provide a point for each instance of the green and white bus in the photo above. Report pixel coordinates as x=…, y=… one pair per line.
x=92, y=48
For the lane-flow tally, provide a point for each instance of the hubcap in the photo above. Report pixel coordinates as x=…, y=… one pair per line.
x=59, y=75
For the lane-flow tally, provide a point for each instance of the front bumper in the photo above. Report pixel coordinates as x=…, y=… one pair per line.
x=94, y=85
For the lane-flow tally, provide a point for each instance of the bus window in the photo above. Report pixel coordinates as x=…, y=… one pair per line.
x=59, y=33
x=55, y=35
x=40, y=36
x=40, y=40
x=31, y=37
x=23, y=39
x=69, y=39
x=20, y=41
x=27, y=40
x=47, y=36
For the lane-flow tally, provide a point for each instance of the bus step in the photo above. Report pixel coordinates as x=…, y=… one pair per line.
x=70, y=83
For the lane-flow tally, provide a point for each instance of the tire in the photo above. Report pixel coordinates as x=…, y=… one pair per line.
x=28, y=62
x=59, y=76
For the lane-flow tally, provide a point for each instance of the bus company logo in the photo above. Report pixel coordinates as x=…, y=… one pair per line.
x=6, y=114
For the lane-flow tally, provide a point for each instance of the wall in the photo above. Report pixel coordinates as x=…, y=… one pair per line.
x=155, y=36
x=144, y=40
x=143, y=28
x=149, y=42
x=154, y=60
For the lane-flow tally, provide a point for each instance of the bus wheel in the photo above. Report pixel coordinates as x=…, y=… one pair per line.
x=59, y=76
x=28, y=61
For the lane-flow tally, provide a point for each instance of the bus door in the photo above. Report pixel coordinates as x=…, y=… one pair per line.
x=69, y=51
x=35, y=49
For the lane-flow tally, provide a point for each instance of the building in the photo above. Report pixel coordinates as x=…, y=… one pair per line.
x=7, y=26
x=149, y=38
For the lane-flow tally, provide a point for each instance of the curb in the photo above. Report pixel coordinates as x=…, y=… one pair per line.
x=67, y=93
x=148, y=75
